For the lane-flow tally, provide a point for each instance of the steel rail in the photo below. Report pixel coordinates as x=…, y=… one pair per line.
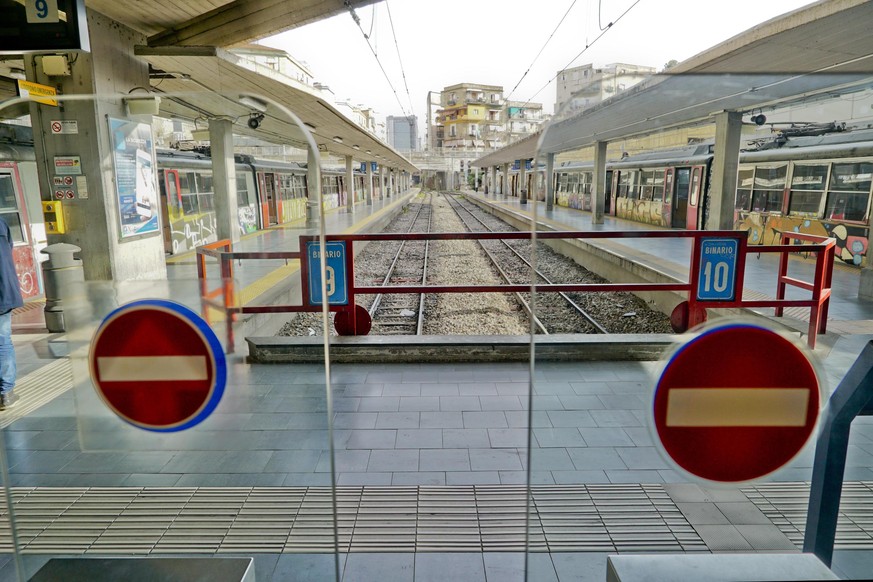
x=524, y=304
x=575, y=306
x=377, y=301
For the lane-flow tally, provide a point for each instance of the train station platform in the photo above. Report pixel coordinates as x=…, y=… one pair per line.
x=431, y=463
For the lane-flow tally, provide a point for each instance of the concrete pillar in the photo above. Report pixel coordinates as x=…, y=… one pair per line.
x=723, y=189
x=350, y=185
x=522, y=181
x=224, y=179
x=369, y=183
x=598, y=205
x=119, y=232
x=493, y=188
x=504, y=187
x=550, y=182
x=313, y=189
x=382, y=181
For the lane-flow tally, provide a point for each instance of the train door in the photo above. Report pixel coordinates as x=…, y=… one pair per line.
x=695, y=212
x=171, y=202
x=681, y=192
x=14, y=212
x=607, y=207
x=268, y=183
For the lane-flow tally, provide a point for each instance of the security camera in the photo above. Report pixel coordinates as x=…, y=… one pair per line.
x=255, y=120
x=759, y=119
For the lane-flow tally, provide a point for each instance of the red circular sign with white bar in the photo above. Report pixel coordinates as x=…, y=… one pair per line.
x=736, y=403
x=158, y=365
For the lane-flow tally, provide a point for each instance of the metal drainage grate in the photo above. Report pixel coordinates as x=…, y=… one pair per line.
x=609, y=518
x=786, y=504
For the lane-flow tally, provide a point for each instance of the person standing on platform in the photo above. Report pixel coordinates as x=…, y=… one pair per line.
x=10, y=298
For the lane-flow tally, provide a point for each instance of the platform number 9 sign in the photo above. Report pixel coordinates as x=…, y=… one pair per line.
x=41, y=11
x=330, y=281
x=718, y=267
x=335, y=285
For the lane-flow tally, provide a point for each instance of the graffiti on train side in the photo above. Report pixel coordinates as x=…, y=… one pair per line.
x=193, y=231
x=647, y=211
x=851, y=240
x=248, y=222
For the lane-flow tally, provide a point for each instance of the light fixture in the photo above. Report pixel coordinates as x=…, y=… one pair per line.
x=143, y=105
x=253, y=103
x=337, y=139
x=369, y=152
x=199, y=133
x=356, y=147
x=310, y=127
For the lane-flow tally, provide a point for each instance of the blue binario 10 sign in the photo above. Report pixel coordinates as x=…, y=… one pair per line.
x=718, y=269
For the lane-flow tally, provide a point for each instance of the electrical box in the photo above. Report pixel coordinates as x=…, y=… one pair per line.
x=53, y=212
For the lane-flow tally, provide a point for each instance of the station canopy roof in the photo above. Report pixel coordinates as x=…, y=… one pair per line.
x=819, y=51
x=207, y=82
x=185, y=40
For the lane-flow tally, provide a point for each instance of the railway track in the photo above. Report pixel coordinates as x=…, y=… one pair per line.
x=553, y=312
x=403, y=314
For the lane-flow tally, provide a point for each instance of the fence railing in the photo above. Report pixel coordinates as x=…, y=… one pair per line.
x=715, y=280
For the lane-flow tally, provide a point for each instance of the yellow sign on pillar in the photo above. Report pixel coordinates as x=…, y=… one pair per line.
x=37, y=92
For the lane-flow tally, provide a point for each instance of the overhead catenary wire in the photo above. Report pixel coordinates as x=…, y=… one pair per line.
x=548, y=40
x=587, y=46
x=357, y=20
x=399, y=59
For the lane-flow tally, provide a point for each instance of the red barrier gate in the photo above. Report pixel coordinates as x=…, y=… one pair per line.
x=716, y=273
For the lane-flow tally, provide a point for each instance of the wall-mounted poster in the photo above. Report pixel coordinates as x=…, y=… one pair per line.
x=135, y=180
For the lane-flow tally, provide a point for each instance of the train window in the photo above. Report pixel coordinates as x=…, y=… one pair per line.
x=586, y=182
x=299, y=186
x=849, y=191
x=745, y=180
x=188, y=190
x=9, y=208
x=242, y=190
x=769, y=188
x=652, y=185
x=852, y=177
x=186, y=182
x=13, y=220
x=204, y=182
x=807, y=189
x=7, y=193
x=628, y=185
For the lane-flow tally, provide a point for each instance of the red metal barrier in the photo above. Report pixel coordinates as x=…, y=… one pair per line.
x=694, y=309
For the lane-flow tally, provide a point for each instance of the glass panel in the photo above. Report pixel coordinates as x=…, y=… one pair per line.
x=846, y=206
x=770, y=178
x=745, y=178
x=7, y=193
x=13, y=219
x=744, y=197
x=809, y=177
x=855, y=177
x=804, y=203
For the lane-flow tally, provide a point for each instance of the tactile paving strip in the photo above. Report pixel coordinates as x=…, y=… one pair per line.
x=39, y=388
x=786, y=504
x=472, y=518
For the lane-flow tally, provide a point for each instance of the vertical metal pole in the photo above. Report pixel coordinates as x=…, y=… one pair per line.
x=852, y=397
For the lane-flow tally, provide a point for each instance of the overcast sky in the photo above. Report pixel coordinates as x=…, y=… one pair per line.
x=495, y=41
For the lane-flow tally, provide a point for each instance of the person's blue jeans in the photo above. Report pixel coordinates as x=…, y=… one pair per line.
x=7, y=355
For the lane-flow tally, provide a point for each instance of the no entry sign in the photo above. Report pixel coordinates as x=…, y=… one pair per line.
x=736, y=403
x=158, y=365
